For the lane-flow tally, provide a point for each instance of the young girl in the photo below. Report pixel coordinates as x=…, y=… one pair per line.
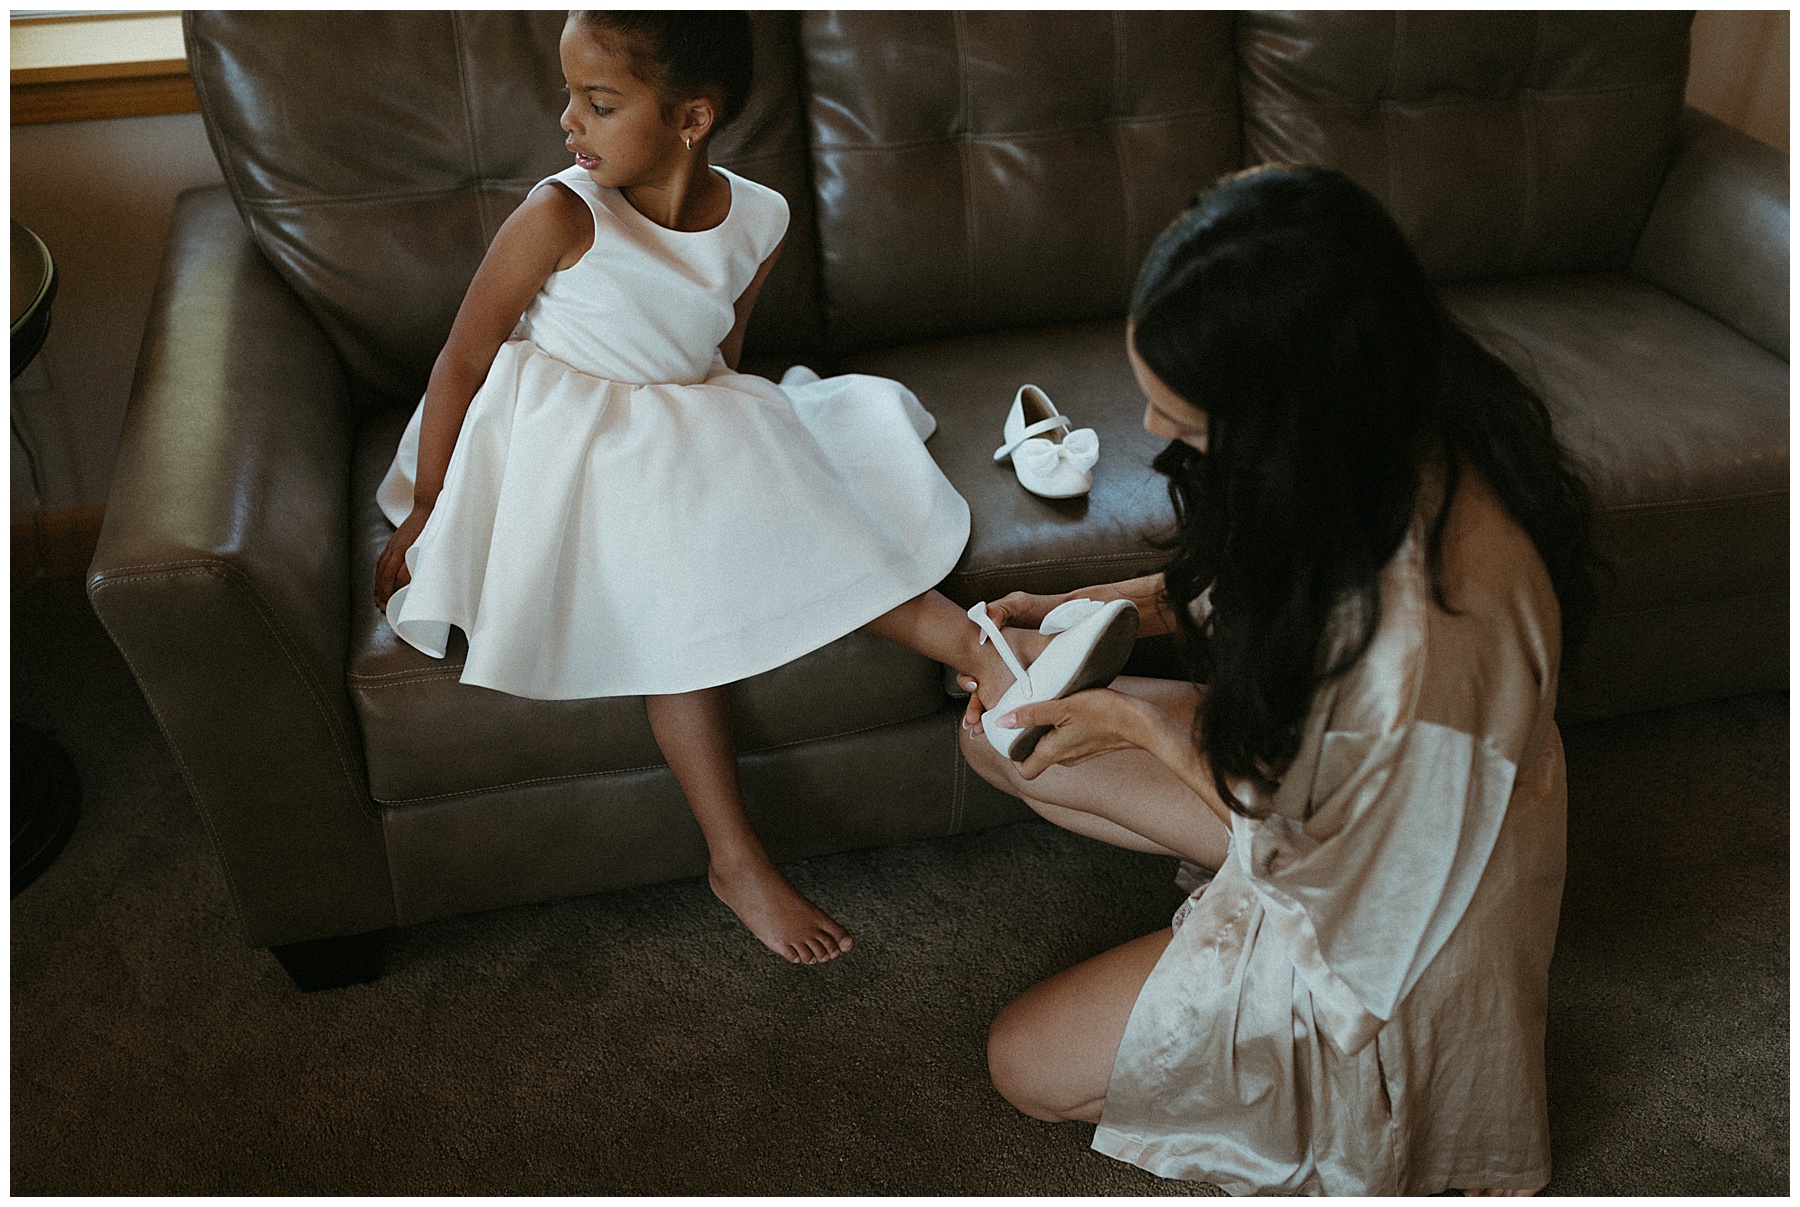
x=1382, y=555
x=606, y=507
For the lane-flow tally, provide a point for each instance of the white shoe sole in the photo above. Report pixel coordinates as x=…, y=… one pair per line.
x=1091, y=654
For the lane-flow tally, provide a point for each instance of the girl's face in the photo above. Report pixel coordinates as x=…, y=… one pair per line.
x=614, y=120
x=1168, y=414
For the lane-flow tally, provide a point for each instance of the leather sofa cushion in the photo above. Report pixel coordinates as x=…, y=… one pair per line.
x=1681, y=421
x=374, y=154
x=1018, y=541
x=1002, y=169
x=429, y=737
x=1504, y=143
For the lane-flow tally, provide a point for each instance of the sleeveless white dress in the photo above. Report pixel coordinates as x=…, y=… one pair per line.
x=625, y=515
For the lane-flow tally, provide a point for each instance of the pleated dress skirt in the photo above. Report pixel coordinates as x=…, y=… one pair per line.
x=600, y=538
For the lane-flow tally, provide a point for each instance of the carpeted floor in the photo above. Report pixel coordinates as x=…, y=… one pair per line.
x=639, y=1042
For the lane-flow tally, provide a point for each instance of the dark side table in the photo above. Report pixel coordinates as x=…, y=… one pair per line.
x=46, y=792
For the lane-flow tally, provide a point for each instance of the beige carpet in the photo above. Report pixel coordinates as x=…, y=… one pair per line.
x=639, y=1042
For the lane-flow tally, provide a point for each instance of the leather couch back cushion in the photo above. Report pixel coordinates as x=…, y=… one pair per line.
x=374, y=154
x=1503, y=142
x=1002, y=169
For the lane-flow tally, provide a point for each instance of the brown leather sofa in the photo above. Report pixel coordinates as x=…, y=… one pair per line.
x=971, y=196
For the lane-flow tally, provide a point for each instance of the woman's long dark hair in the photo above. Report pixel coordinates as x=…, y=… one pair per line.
x=1287, y=305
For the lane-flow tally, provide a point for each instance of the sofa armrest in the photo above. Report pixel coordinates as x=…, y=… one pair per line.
x=222, y=575
x=1717, y=237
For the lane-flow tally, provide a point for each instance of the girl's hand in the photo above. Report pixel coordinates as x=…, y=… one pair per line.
x=1089, y=723
x=390, y=569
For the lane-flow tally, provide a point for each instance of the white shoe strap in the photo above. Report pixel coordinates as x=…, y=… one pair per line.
x=1036, y=429
x=979, y=614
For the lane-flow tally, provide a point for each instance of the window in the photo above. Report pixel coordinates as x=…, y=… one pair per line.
x=77, y=66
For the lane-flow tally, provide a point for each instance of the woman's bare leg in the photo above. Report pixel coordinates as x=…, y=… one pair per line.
x=1051, y=1050
x=694, y=731
x=1128, y=798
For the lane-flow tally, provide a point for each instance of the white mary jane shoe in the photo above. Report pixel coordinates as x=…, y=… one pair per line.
x=1092, y=642
x=1051, y=459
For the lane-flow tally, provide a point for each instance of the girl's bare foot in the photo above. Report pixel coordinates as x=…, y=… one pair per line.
x=990, y=673
x=775, y=911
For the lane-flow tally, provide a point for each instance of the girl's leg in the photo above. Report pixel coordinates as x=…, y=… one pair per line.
x=694, y=731
x=937, y=628
x=1128, y=798
x=1051, y=1050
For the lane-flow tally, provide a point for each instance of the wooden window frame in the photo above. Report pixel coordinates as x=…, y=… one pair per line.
x=105, y=81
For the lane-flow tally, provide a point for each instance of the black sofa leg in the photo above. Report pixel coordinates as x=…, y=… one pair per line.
x=333, y=963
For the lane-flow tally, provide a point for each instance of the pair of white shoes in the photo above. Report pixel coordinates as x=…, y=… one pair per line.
x=1091, y=643
x=1052, y=457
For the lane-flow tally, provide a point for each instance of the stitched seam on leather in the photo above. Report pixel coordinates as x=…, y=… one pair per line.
x=1392, y=161
x=1364, y=107
x=1717, y=502
x=581, y=775
x=453, y=191
x=1697, y=603
x=387, y=801
x=464, y=88
x=1528, y=126
x=1118, y=141
x=963, y=144
x=283, y=640
x=1088, y=559
x=237, y=897
x=956, y=786
x=1013, y=136
x=402, y=678
x=229, y=168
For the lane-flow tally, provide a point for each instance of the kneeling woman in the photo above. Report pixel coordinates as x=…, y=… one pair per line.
x=1382, y=554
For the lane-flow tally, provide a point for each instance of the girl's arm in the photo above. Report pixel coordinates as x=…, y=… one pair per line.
x=550, y=230
x=732, y=346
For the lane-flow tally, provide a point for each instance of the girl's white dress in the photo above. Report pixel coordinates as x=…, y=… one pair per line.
x=624, y=515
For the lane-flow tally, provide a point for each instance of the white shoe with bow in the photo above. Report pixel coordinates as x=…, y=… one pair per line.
x=1050, y=459
x=1092, y=643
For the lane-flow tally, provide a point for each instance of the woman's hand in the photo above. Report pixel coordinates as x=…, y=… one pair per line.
x=1089, y=723
x=1019, y=610
x=1022, y=611
x=390, y=569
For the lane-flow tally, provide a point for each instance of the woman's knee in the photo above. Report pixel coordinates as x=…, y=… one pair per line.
x=991, y=765
x=1015, y=1063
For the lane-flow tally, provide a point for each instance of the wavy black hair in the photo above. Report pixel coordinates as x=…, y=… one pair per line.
x=1287, y=305
x=683, y=53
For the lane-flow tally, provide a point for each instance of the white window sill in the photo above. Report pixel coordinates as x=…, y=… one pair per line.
x=88, y=66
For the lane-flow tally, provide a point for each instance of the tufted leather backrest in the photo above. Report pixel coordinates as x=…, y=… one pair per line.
x=999, y=169
x=374, y=154
x=1503, y=142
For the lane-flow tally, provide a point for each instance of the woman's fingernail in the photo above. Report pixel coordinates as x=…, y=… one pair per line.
x=1009, y=721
